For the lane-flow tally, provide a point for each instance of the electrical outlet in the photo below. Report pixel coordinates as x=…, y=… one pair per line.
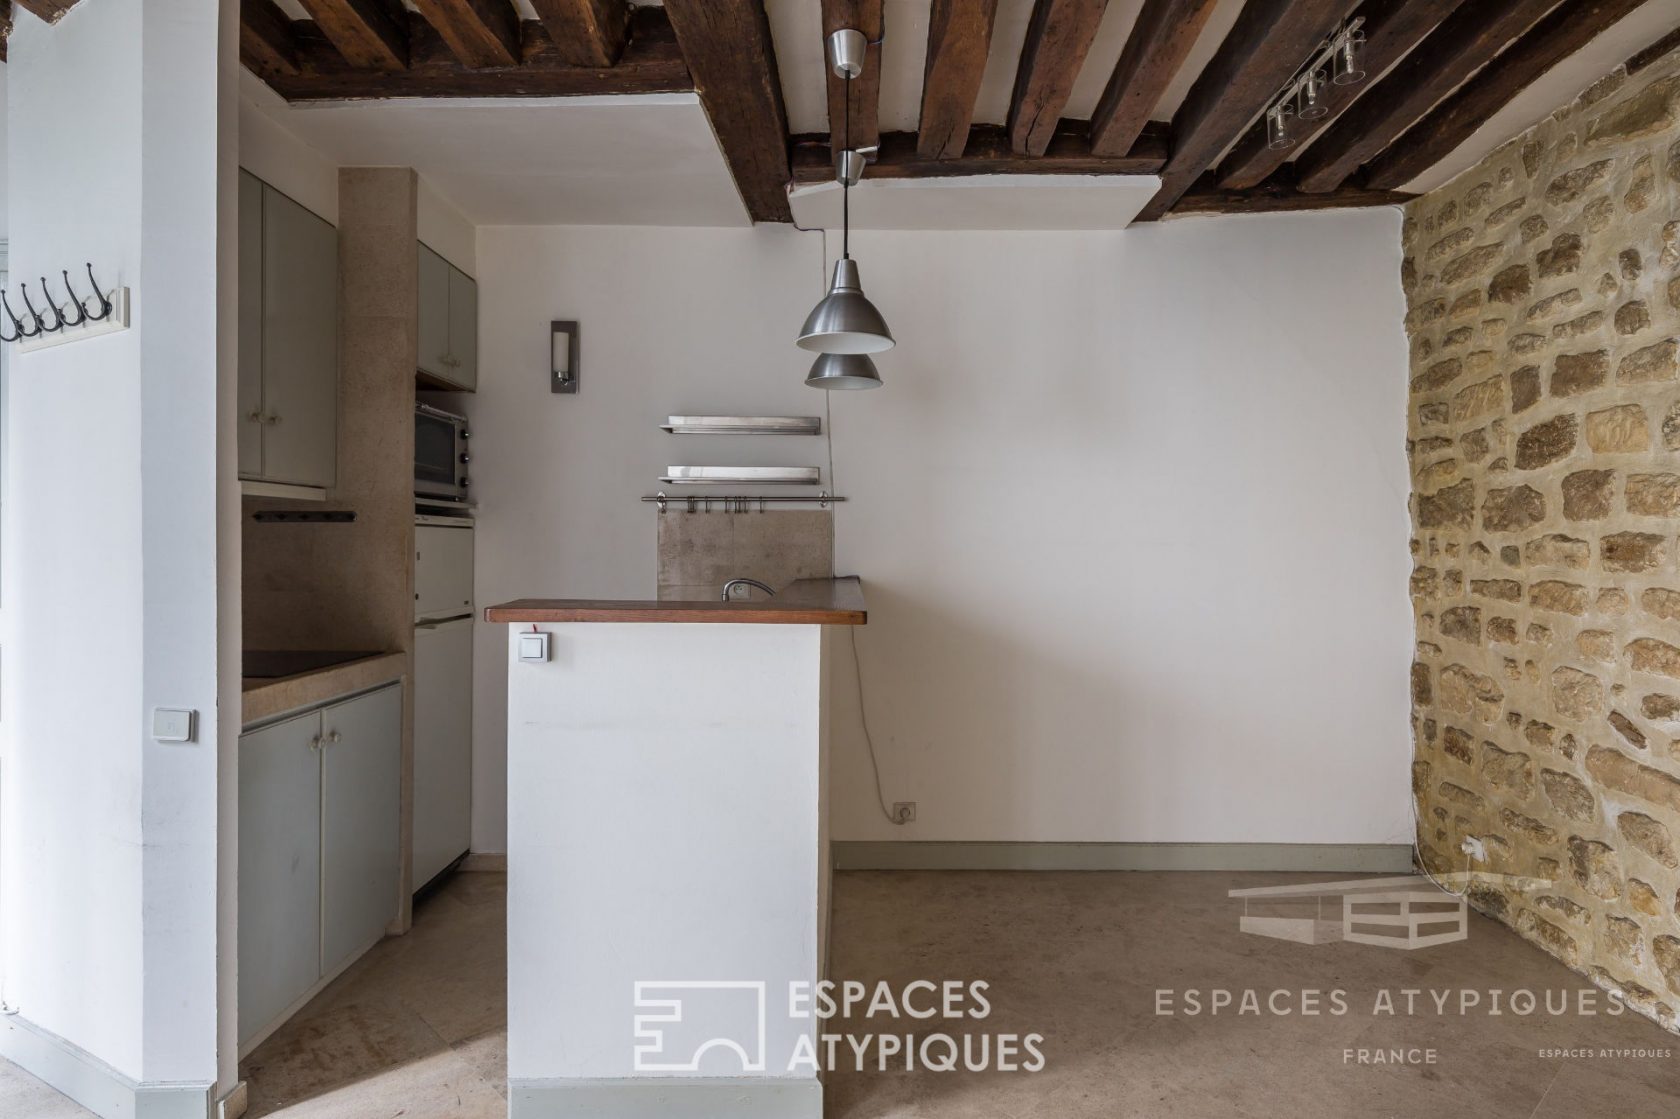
x=1475, y=848
x=904, y=811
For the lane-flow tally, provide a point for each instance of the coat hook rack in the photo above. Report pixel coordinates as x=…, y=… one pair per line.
x=53, y=324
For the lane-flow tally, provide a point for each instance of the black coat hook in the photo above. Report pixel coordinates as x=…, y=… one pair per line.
x=75, y=301
x=17, y=327
x=104, y=302
x=40, y=323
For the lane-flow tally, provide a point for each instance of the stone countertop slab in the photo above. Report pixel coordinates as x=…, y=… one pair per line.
x=264, y=699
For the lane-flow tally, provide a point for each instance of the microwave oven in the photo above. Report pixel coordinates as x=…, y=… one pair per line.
x=440, y=454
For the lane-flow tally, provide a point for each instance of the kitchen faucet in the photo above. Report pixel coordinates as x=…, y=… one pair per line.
x=733, y=583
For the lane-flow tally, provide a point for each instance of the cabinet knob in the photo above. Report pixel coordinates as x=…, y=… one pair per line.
x=271, y=419
x=335, y=737
x=255, y=417
x=315, y=742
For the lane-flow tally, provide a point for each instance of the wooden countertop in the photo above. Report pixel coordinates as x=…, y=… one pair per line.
x=827, y=602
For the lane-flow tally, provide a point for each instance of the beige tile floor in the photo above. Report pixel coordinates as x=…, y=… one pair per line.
x=416, y=1028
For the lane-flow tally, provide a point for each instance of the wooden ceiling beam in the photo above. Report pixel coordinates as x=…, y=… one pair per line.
x=651, y=63
x=586, y=32
x=1392, y=27
x=481, y=33
x=989, y=152
x=1559, y=34
x=865, y=16
x=1268, y=42
x=1462, y=44
x=733, y=62
x=1640, y=59
x=1058, y=39
x=1155, y=50
x=370, y=34
x=5, y=26
x=49, y=10
x=266, y=39
x=1279, y=194
x=959, y=38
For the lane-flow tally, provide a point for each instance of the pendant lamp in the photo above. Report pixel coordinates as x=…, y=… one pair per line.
x=845, y=323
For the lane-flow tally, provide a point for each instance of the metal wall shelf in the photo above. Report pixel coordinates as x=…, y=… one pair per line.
x=743, y=425
x=742, y=475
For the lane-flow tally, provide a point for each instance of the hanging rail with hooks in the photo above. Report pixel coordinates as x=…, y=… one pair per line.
x=54, y=325
x=737, y=503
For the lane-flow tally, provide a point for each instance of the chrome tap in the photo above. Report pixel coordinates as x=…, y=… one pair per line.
x=733, y=583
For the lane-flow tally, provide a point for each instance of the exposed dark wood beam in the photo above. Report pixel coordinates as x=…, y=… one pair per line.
x=481, y=33
x=1278, y=194
x=1154, y=52
x=865, y=89
x=1641, y=59
x=1392, y=27
x=1058, y=38
x=266, y=39
x=5, y=26
x=586, y=32
x=959, y=38
x=1464, y=42
x=733, y=63
x=989, y=153
x=49, y=10
x=652, y=63
x=370, y=34
x=1269, y=40
x=1567, y=29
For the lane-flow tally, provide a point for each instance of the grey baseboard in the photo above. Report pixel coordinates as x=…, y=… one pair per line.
x=94, y=1084
x=1362, y=858
x=665, y=1097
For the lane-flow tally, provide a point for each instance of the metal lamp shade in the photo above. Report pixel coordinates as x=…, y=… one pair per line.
x=845, y=322
x=844, y=371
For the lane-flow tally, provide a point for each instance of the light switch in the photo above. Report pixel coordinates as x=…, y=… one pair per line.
x=533, y=647
x=171, y=724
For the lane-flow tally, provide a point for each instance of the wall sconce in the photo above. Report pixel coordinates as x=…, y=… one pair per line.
x=563, y=357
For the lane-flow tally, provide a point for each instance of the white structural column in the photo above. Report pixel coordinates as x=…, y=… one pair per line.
x=665, y=855
x=120, y=575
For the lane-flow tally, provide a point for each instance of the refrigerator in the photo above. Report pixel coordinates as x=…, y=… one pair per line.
x=443, y=656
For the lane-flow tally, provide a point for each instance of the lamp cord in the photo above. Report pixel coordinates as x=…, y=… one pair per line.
x=845, y=180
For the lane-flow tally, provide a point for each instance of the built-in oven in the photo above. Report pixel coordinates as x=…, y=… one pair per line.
x=440, y=454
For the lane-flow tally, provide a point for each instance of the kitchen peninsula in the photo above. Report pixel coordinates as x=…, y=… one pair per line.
x=682, y=746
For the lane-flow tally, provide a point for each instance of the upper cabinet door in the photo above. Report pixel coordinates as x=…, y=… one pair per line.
x=300, y=344
x=250, y=324
x=463, y=329
x=434, y=357
x=361, y=842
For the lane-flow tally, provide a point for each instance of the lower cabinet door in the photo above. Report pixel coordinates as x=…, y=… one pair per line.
x=279, y=869
x=361, y=853
x=442, y=745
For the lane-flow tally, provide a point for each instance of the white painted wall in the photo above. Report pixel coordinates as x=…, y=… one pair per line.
x=113, y=575
x=1130, y=511
x=662, y=834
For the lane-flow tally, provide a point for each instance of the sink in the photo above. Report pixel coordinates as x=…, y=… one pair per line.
x=271, y=664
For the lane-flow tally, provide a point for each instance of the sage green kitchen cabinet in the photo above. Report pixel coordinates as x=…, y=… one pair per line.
x=448, y=323
x=288, y=340
x=279, y=869
x=361, y=842
x=320, y=849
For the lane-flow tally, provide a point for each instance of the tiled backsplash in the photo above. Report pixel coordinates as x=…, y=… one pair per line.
x=700, y=551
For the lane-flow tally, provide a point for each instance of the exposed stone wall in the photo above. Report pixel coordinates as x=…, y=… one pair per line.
x=1543, y=290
